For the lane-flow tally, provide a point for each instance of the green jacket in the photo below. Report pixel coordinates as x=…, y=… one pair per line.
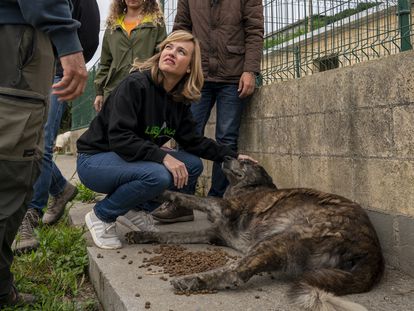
x=120, y=50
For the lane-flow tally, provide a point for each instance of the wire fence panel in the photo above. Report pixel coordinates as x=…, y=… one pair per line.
x=303, y=37
x=82, y=108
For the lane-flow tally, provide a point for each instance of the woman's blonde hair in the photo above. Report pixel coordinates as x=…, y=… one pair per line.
x=119, y=8
x=192, y=82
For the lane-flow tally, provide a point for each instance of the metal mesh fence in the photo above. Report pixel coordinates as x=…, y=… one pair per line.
x=303, y=37
x=82, y=108
x=307, y=36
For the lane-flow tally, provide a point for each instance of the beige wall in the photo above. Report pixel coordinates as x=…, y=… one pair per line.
x=349, y=131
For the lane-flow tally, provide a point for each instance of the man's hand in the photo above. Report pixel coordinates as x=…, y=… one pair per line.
x=177, y=169
x=246, y=84
x=97, y=104
x=74, y=78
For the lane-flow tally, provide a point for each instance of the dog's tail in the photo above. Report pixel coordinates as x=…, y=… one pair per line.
x=316, y=291
x=311, y=298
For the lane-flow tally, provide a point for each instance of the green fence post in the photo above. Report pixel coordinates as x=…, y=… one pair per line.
x=403, y=13
x=297, y=61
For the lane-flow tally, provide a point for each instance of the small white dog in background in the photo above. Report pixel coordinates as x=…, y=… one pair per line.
x=62, y=144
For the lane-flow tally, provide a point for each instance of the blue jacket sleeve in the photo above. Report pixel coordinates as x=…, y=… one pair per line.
x=53, y=17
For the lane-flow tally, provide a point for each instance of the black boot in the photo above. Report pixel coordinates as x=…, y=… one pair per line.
x=168, y=212
x=14, y=298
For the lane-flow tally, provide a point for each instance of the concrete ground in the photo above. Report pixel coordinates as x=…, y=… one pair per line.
x=122, y=285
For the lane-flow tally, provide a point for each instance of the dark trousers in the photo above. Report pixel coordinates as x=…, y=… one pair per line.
x=27, y=65
x=229, y=109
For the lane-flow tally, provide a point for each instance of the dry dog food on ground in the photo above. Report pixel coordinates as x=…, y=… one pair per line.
x=176, y=260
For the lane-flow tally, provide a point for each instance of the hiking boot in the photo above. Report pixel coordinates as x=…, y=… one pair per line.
x=14, y=299
x=103, y=233
x=168, y=212
x=138, y=221
x=26, y=239
x=58, y=203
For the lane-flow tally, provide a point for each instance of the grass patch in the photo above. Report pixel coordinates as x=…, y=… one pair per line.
x=56, y=271
x=85, y=194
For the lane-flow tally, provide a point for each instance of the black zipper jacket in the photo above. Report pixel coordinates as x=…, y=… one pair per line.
x=87, y=13
x=139, y=117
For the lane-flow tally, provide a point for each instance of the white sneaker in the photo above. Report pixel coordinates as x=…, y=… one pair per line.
x=103, y=233
x=138, y=221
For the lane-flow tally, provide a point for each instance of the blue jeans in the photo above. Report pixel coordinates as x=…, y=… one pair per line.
x=51, y=179
x=229, y=109
x=131, y=185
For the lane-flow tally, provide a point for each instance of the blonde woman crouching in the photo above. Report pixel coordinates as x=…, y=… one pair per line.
x=121, y=154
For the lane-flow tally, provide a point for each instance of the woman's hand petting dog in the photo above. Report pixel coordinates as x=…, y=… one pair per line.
x=243, y=157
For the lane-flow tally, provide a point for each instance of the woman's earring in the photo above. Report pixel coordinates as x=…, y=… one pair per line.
x=188, y=70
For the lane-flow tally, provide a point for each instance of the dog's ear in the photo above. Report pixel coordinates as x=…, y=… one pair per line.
x=265, y=177
x=256, y=175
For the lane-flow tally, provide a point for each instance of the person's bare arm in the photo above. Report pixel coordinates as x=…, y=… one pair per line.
x=177, y=169
x=97, y=104
x=246, y=84
x=74, y=78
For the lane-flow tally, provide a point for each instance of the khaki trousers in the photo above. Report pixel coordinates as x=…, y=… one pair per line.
x=26, y=66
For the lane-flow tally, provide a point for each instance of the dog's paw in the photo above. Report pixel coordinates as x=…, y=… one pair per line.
x=189, y=283
x=168, y=195
x=140, y=237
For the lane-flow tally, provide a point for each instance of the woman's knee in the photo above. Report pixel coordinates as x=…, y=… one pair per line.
x=195, y=166
x=160, y=179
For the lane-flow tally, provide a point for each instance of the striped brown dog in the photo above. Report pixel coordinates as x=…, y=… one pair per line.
x=324, y=242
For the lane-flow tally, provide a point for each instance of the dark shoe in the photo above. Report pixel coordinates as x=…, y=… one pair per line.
x=168, y=212
x=14, y=298
x=58, y=203
x=26, y=239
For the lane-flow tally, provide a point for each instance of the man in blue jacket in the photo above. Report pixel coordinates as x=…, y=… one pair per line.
x=51, y=180
x=27, y=31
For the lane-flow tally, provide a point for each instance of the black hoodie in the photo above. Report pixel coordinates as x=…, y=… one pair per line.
x=140, y=116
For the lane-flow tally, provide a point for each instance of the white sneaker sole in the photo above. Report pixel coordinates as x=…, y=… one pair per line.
x=98, y=243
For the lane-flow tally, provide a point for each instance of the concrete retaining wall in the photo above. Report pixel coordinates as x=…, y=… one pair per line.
x=348, y=131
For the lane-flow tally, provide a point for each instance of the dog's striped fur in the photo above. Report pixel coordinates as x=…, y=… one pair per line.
x=324, y=242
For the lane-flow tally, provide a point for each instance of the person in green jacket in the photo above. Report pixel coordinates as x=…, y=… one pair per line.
x=134, y=30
